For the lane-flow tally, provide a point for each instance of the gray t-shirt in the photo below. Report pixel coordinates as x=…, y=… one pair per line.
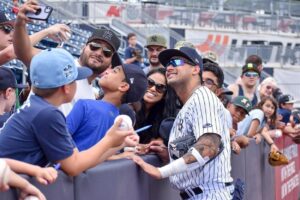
x=243, y=126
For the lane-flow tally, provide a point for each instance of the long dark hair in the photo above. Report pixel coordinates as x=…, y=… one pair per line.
x=275, y=104
x=166, y=107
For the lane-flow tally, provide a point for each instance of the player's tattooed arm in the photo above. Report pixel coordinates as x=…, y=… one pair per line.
x=207, y=146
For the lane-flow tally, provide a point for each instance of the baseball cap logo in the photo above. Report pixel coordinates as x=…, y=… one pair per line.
x=107, y=35
x=249, y=65
x=68, y=71
x=245, y=102
x=131, y=80
x=154, y=38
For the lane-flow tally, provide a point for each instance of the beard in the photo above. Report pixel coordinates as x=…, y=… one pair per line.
x=154, y=63
x=96, y=68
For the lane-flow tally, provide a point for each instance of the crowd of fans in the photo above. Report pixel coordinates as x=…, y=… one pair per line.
x=78, y=129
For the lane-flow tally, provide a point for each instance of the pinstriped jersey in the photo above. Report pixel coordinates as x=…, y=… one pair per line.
x=203, y=113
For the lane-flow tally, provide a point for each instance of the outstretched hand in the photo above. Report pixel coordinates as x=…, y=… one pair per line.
x=46, y=176
x=29, y=6
x=59, y=32
x=149, y=169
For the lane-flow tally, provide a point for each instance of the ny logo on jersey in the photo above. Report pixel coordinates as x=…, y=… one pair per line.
x=207, y=125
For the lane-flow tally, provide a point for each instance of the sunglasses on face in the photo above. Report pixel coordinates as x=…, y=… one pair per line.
x=178, y=62
x=6, y=28
x=251, y=74
x=209, y=83
x=96, y=46
x=161, y=88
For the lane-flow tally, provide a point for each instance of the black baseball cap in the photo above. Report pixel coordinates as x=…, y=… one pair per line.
x=8, y=79
x=106, y=35
x=5, y=20
x=250, y=67
x=116, y=60
x=286, y=98
x=186, y=52
x=137, y=80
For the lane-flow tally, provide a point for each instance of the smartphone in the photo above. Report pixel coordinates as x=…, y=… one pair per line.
x=43, y=13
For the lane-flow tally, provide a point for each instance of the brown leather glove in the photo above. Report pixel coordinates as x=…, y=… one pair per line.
x=276, y=158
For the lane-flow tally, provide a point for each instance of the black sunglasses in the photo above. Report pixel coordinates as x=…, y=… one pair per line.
x=161, y=88
x=95, y=46
x=6, y=28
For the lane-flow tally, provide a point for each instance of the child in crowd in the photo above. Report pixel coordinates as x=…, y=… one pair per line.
x=238, y=108
x=8, y=86
x=259, y=121
x=37, y=132
x=90, y=119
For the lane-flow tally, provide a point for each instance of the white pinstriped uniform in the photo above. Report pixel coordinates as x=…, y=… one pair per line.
x=204, y=113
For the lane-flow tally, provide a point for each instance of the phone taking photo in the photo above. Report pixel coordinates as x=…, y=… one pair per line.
x=43, y=13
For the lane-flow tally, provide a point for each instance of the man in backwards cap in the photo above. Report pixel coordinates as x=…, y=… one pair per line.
x=199, y=143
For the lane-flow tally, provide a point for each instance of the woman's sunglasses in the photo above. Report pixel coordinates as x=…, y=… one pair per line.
x=161, y=88
x=6, y=28
x=178, y=62
x=95, y=46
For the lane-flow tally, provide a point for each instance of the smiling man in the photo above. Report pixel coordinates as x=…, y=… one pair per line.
x=155, y=45
x=96, y=54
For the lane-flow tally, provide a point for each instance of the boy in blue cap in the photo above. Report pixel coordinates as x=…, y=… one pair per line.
x=37, y=132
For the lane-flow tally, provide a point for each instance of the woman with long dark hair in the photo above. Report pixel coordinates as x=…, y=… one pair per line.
x=158, y=103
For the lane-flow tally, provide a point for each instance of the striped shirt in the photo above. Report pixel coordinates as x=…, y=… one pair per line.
x=203, y=113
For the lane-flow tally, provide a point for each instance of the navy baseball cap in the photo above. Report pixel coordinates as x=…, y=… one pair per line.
x=106, y=35
x=116, y=60
x=186, y=52
x=8, y=79
x=286, y=98
x=137, y=80
x=4, y=19
x=53, y=68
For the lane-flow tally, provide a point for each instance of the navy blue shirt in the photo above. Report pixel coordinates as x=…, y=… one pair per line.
x=129, y=54
x=285, y=113
x=36, y=134
x=3, y=118
x=89, y=120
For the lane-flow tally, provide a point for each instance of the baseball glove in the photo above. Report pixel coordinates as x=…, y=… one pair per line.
x=296, y=139
x=276, y=158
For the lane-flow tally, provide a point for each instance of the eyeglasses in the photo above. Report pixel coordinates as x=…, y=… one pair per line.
x=96, y=46
x=161, y=88
x=6, y=28
x=178, y=62
x=251, y=74
x=209, y=83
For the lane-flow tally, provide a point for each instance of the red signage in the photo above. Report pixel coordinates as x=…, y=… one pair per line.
x=287, y=177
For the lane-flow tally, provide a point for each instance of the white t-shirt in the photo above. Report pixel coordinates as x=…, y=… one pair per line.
x=84, y=91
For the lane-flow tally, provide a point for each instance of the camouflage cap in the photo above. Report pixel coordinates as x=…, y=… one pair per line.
x=210, y=56
x=156, y=40
x=183, y=43
x=243, y=102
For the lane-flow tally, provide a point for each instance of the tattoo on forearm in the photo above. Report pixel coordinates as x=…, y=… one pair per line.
x=207, y=145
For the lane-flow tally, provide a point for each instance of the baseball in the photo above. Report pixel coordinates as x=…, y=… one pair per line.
x=126, y=122
x=31, y=198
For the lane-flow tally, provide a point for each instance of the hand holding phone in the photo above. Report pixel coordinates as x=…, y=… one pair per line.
x=42, y=13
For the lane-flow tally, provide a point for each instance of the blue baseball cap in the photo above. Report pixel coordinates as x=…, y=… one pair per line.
x=185, y=52
x=53, y=68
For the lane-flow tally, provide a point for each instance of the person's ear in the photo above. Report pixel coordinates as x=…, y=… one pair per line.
x=196, y=70
x=8, y=92
x=124, y=87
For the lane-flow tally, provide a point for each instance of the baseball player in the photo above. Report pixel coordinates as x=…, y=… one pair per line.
x=199, y=144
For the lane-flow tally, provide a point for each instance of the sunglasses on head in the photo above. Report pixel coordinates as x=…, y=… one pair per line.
x=6, y=28
x=161, y=88
x=178, y=62
x=209, y=83
x=251, y=74
x=96, y=46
